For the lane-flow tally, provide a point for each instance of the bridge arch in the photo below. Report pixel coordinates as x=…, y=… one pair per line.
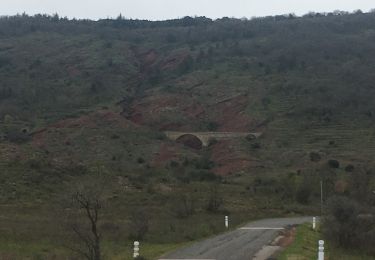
x=190, y=140
x=205, y=137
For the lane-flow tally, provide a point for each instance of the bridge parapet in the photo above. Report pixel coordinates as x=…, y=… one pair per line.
x=205, y=137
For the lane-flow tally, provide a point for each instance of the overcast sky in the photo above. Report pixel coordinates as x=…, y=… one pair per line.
x=167, y=9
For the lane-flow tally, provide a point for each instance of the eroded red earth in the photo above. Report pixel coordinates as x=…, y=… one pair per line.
x=175, y=112
x=229, y=159
x=229, y=115
x=92, y=120
x=154, y=109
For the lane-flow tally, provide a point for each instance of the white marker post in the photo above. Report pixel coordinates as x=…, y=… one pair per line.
x=136, y=249
x=226, y=221
x=321, y=250
x=314, y=223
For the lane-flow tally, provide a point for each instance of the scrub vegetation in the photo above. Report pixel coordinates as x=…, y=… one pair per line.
x=85, y=166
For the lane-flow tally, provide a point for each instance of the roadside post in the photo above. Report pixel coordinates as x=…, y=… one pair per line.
x=226, y=221
x=321, y=250
x=314, y=223
x=136, y=249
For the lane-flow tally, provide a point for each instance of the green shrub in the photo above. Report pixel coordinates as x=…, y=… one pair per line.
x=140, y=160
x=349, y=168
x=174, y=164
x=256, y=145
x=16, y=136
x=139, y=224
x=212, y=141
x=303, y=194
x=203, y=175
x=183, y=205
x=204, y=163
x=315, y=157
x=215, y=200
x=334, y=164
x=212, y=126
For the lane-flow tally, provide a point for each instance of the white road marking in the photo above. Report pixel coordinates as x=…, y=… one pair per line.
x=261, y=228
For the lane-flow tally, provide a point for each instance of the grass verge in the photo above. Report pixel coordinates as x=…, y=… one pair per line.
x=305, y=247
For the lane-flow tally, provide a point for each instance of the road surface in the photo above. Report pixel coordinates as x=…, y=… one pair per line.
x=240, y=244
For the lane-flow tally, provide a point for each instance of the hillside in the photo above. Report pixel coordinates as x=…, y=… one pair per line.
x=79, y=95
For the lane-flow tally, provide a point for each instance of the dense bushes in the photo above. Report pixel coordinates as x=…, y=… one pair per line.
x=184, y=205
x=17, y=136
x=215, y=201
x=349, y=225
x=334, y=164
x=139, y=224
x=197, y=175
x=303, y=193
x=315, y=157
x=269, y=47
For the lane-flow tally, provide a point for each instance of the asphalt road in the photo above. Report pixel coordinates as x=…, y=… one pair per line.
x=240, y=244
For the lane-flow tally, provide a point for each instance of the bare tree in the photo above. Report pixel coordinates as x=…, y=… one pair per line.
x=84, y=211
x=91, y=205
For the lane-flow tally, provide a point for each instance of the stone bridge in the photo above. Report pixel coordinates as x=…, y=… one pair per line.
x=205, y=137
